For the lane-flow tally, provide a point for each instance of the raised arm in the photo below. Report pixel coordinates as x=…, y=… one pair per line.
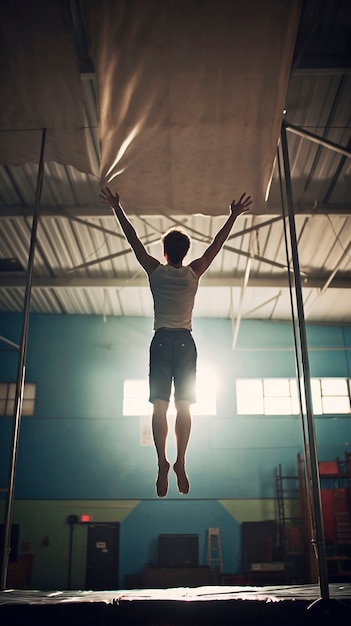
x=148, y=262
x=201, y=264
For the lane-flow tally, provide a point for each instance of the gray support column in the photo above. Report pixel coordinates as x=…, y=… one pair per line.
x=21, y=372
x=311, y=458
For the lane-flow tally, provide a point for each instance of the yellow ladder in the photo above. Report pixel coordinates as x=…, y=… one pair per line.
x=214, y=550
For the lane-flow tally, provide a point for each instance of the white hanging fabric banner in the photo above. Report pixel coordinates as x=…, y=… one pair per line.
x=191, y=96
x=41, y=86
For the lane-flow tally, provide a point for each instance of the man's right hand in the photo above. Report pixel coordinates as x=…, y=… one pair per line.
x=109, y=198
x=243, y=205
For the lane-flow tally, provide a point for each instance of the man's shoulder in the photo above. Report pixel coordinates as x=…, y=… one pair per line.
x=192, y=266
x=156, y=269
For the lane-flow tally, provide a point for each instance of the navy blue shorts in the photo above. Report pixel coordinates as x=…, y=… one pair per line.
x=172, y=358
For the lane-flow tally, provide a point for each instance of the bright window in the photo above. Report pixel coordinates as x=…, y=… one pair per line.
x=136, y=395
x=334, y=395
x=7, y=398
x=249, y=395
x=268, y=396
x=279, y=396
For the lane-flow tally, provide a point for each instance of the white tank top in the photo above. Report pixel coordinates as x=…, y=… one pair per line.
x=173, y=290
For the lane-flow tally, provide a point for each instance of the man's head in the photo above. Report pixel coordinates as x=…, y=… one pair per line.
x=176, y=244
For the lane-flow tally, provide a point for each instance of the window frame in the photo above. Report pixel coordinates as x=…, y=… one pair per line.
x=320, y=408
x=8, y=396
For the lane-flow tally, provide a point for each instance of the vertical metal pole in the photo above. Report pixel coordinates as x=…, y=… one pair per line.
x=293, y=316
x=21, y=371
x=312, y=459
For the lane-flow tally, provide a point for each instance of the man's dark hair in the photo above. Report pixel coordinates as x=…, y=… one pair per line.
x=176, y=244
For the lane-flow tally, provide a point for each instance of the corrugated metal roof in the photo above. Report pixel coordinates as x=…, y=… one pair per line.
x=84, y=266
x=80, y=269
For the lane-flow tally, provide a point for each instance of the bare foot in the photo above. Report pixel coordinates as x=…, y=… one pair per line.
x=162, y=479
x=182, y=479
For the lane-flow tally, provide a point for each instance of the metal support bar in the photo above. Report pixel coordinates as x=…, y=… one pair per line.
x=21, y=371
x=328, y=282
x=299, y=376
x=109, y=257
x=89, y=211
x=336, y=268
x=260, y=306
x=75, y=281
x=10, y=343
x=312, y=459
x=84, y=222
x=297, y=130
x=242, y=295
x=255, y=227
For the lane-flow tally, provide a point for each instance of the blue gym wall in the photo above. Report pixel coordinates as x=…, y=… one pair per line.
x=78, y=446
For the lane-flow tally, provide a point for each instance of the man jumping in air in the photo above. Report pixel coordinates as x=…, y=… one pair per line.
x=172, y=349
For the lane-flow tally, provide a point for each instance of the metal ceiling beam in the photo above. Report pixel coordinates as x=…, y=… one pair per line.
x=237, y=319
x=115, y=255
x=327, y=285
x=328, y=64
x=273, y=300
x=107, y=231
x=306, y=134
x=94, y=211
x=8, y=281
x=9, y=342
x=336, y=268
x=200, y=238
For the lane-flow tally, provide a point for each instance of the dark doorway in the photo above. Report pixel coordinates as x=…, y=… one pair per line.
x=102, y=556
